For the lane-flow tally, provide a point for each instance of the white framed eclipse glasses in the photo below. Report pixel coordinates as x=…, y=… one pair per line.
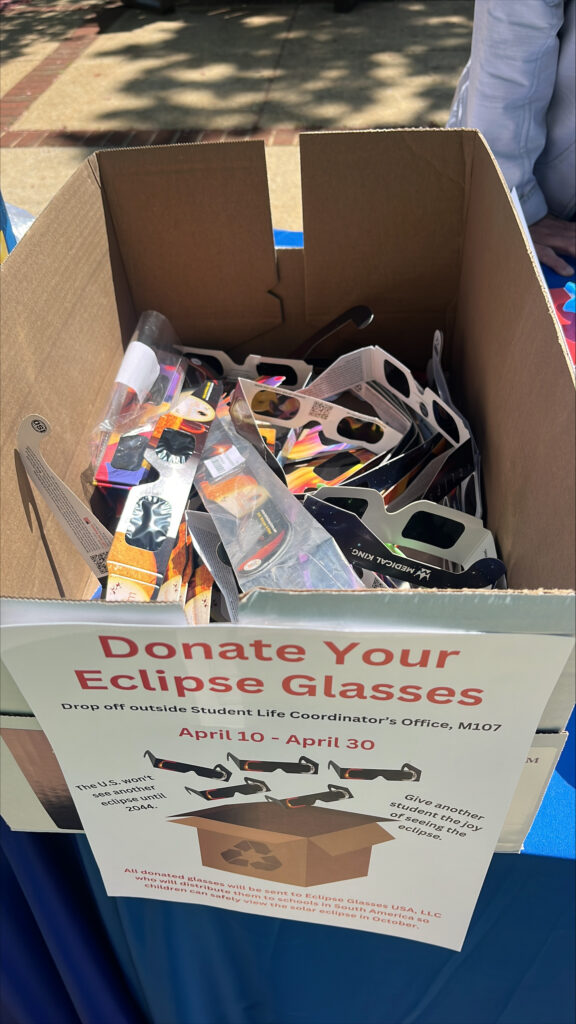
x=375, y=366
x=295, y=371
x=280, y=407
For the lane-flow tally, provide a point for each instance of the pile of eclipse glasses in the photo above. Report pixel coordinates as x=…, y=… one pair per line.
x=285, y=473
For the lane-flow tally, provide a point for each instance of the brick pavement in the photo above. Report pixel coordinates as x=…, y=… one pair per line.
x=83, y=75
x=17, y=100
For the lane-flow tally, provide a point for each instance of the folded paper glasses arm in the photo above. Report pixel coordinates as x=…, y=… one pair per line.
x=304, y=765
x=308, y=799
x=360, y=316
x=407, y=773
x=218, y=772
x=245, y=788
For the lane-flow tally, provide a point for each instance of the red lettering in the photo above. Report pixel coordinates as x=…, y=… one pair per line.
x=250, y=685
x=340, y=654
x=435, y=696
x=85, y=677
x=289, y=652
x=371, y=657
x=154, y=650
x=220, y=684
x=188, y=650
x=233, y=652
x=258, y=648
x=106, y=645
x=182, y=689
x=328, y=691
x=472, y=697
x=118, y=685
x=353, y=690
x=443, y=657
x=411, y=693
x=162, y=679
x=382, y=691
x=299, y=686
x=421, y=663
x=144, y=678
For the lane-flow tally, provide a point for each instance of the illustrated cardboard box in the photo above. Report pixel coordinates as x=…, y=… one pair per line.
x=302, y=845
x=418, y=225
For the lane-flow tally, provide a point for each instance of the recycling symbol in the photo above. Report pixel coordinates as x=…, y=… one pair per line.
x=242, y=855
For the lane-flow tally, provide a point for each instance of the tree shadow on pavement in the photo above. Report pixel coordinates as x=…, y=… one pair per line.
x=256, y=65
x=27, y=24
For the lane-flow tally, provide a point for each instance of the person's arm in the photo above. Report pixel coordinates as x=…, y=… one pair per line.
x=508, y=86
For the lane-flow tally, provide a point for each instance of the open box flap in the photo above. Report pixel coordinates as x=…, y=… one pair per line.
x=279, y=824
x=359, y=838
x=359, y=193
x=230, y=829
x=195, y=226
x=283, y=338
x=61, y=343
x=510, y=368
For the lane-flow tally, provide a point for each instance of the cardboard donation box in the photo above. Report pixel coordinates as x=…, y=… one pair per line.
x=415, y=224
x=438, y=713
x=303, y=846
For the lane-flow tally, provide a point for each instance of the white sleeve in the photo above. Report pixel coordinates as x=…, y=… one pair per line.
x=507, y=85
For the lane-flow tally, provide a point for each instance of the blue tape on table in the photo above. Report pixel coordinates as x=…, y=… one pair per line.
x=288, y=239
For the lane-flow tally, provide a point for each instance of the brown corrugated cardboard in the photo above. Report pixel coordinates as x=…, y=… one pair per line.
x=384, y=225
x=416, y=223
x=185, y=245
x=302, y=846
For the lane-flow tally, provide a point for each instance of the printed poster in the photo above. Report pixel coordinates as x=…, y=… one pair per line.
x=356, y=779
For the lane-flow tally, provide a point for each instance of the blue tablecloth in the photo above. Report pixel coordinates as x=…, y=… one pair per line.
x=72, y=955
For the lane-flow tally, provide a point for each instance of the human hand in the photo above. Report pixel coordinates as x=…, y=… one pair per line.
x=551, y=236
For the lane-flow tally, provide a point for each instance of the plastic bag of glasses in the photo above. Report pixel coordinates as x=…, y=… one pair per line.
x=148, y=381
x=269, y=537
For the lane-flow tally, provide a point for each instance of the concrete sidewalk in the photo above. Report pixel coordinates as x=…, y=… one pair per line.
x=80, y=76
